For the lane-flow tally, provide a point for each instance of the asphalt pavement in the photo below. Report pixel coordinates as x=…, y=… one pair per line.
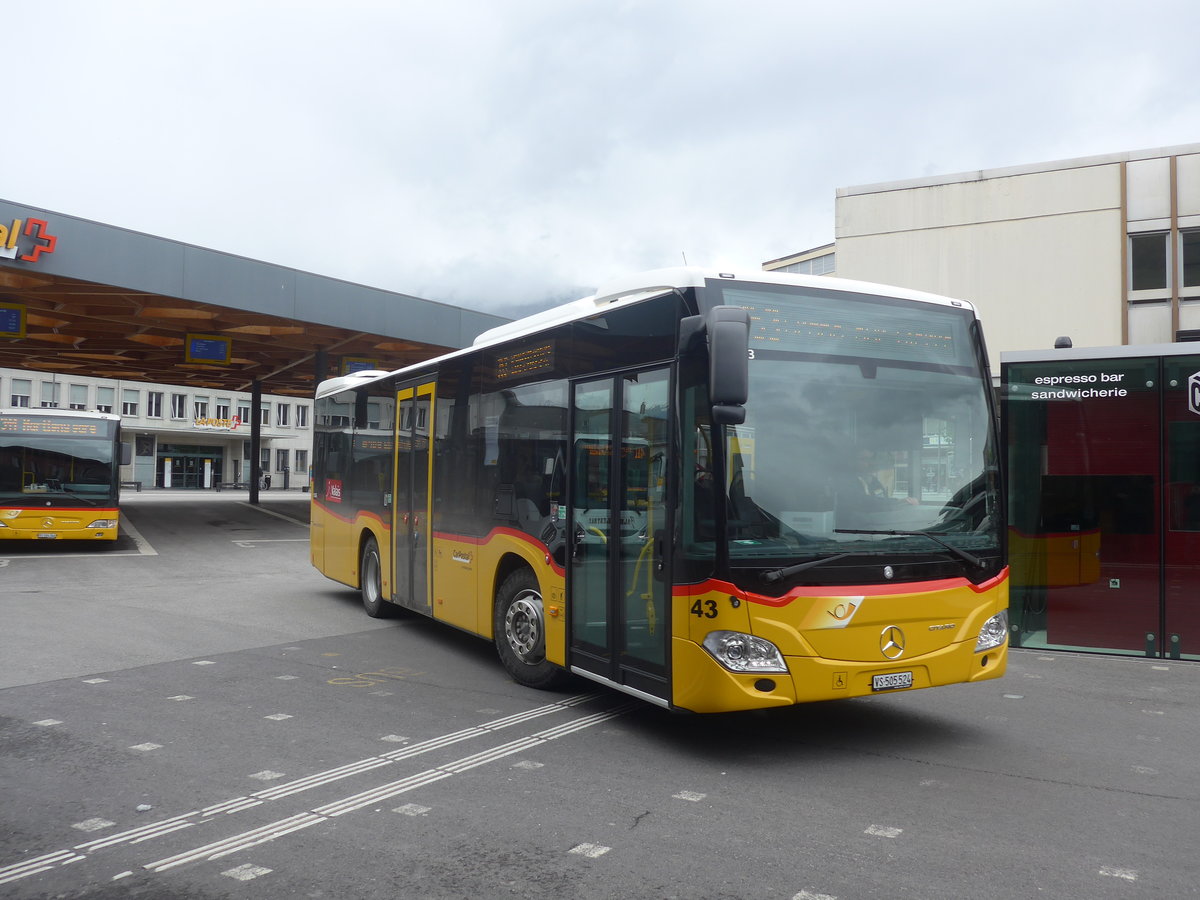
x=198, y=713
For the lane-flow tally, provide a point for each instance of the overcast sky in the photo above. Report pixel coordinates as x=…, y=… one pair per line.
x=501, y=154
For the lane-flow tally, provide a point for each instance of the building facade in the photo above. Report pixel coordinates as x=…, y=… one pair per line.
x=183, y=437
x=1103, y=249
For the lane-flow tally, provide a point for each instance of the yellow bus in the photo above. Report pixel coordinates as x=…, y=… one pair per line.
x=59, y=474
x=708, y=490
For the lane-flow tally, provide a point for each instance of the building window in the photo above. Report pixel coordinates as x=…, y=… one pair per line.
x=200, y=408
x=49, y=395
x=1189, y=252
x=264, y=459
x=154, y=403
x=301, y=415
x=1148, y=262
x=282, y=413
x=302, y=462
x=820, y=265
x=281, y=460
x=179, y=406
x=104, y=399
x=129, y=402
x=222, y=407
x=78, y=396
x=264, y=414
x=243, y=409
x=21, y=389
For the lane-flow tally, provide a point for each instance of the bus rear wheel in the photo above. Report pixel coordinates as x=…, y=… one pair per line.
x=370, y=578
x=520, y=633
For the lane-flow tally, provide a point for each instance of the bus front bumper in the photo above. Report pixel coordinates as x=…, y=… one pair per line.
x=701, y=684
x=60, y=525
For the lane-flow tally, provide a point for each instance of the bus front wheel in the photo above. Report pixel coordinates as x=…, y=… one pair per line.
x=370, y=572
x=520, y=633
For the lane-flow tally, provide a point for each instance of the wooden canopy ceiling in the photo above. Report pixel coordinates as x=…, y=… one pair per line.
x=101, y=330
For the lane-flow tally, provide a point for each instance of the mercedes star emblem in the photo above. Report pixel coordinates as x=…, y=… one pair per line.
x=891, y=642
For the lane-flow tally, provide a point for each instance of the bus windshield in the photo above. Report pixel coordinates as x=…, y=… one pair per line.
x=867, y=430
x=55, y=460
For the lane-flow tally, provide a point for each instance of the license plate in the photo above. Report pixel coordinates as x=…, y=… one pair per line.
x=47, y=536
x=892, y=682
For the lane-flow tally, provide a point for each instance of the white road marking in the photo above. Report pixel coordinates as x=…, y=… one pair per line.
x=34, y=866
x=95, y=681
x=413, y=809
x=1124, y=874
x=591, y=851
x=270, y=512
x=93, y=824
x=247, y=872
x=884, y=831
x=46, y=723
x=147, y=747
x=689, y=795
x=278, y=717
x=322, y=814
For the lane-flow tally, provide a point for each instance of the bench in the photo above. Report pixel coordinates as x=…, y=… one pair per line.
x=232, y=485
x=136, y=485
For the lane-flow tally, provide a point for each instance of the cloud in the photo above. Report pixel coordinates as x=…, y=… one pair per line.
x=493, y=154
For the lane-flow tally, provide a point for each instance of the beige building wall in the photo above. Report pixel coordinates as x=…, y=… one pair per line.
x=1041, y=250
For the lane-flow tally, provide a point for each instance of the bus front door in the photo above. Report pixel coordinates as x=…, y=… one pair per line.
x=411, y=513
x=616, y=590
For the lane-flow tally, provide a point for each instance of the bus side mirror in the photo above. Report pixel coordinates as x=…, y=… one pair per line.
x=126, y=453
x=728, y=363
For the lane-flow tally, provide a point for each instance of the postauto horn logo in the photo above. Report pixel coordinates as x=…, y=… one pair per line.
x=1194, y=393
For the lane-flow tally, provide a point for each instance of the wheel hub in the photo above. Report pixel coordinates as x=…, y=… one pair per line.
x=523, y=626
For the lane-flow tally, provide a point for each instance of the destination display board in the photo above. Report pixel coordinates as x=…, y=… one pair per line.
x=60, y=426
x=532, y=360
x=844, y=324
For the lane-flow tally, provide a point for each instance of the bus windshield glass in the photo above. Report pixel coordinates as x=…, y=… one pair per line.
x=55, y=460
x=867, y=430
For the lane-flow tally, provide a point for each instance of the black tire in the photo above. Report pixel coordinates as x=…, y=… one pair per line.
x=370, y=579
x=520, y=633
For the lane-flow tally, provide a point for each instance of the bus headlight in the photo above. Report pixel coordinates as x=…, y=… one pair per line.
x=993, y=633
x=744, y=652
x=104, y=523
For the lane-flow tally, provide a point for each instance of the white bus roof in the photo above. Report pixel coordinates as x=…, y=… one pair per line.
x=632, y=289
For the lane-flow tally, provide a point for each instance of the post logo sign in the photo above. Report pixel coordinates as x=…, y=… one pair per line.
x=1194, y=393
x=30, y=235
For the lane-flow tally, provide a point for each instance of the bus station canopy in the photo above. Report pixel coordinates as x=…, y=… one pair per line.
x=82, y=297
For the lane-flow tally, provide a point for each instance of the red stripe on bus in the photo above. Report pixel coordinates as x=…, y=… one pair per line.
x=840, y=590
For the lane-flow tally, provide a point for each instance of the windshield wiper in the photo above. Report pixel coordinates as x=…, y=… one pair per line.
x=779, y=574
x=932, y=535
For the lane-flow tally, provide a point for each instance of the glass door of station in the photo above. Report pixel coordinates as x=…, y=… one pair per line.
x=1104, y=503
x=184, y=466
x=616, y=590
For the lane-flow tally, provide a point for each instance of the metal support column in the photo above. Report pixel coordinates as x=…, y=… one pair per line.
x=256, y=472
